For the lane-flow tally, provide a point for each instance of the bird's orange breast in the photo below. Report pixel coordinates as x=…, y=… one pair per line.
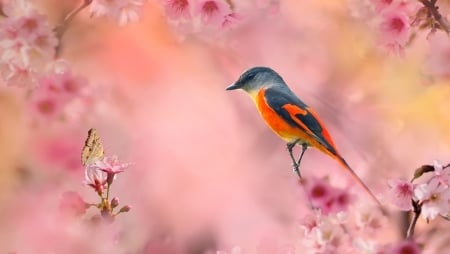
x=283, y=129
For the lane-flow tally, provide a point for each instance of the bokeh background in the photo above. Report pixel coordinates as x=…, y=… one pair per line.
x=208, y=173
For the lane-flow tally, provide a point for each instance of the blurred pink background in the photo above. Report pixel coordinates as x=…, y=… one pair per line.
x=208, y=173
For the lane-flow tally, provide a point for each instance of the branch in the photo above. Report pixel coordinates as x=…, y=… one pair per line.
x=61, y=29
x=417, y=210
x=433, y=9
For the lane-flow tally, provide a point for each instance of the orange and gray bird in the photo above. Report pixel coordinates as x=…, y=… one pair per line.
x=289, y=117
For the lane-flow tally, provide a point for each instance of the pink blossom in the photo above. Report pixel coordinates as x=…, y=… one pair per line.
x=327, y=236
x=382, y=4
x=27, y=44
x=369, y=218
x=394, y=29
x=212, y=11
x=434, y=198
x=176, y=9
x=401, y=194
x=111, y=166
x=123, y=11
x=326, y=197
x=405, y=247
x=65, y=84
x=45, y=105
x=441, y=174
x=95, y=178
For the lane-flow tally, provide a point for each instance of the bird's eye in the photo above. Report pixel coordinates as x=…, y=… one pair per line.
x=248, y=77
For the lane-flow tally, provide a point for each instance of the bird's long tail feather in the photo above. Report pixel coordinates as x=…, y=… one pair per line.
x=358, y=180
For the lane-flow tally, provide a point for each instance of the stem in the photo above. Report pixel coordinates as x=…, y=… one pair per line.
x=62, y=28
x=417, y=210
x=107, y=192
x=434, y=11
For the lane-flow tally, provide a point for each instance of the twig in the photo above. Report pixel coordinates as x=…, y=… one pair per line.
x=434, y=11
x=61, y=29
x=417, y=210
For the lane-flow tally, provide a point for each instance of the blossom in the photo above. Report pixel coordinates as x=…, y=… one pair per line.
x=434, y=197
x=401, y=194
x=123, y=11
x=326, y=197
x=46, y=106
x=326, y=236
x=394, y=29
x=95, y=178
x=65, y=84
x=212, y=11
x=441, y=174
x=111, y=166
x=405, y=247
x=382, y=4
x=177, y=8
x=27, y=44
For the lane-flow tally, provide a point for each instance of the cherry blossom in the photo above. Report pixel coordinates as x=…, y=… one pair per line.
x=434, y=197
x=327, y=198
x=394, y=29
x=27, y=45
x=401, y=193
x=111, y=166
x=123, y=11
x=211, y=11
x=176, y=9
x=95, y=178
x=407, y=246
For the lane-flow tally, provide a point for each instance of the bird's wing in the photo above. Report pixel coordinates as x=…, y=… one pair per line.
x=299, y=115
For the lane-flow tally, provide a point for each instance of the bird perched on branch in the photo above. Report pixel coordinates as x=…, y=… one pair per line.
x=290, y=118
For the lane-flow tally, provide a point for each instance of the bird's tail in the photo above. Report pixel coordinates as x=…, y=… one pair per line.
x=358, y=180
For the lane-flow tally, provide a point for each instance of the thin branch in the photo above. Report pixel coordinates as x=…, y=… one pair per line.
x=417, y=211
x=434, y=11
x=62, y=28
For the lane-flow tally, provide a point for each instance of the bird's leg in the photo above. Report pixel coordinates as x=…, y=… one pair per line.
x=290, y=147
x=304, y=147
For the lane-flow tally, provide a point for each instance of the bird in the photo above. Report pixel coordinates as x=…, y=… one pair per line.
x=290, y=118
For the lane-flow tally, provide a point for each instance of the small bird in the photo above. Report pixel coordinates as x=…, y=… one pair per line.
x=289, y=117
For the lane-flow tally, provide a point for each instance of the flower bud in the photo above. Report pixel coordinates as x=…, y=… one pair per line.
x=114, y=202
x=125, y=209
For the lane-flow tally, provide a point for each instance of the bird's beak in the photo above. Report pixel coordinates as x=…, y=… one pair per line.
x=232, y=87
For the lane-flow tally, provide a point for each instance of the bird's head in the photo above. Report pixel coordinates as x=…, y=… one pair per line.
x=256, y=78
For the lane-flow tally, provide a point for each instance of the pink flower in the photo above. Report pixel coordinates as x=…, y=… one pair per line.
x=64, y=84
x=405, y=247
x=123, y=11
x=401, y=194
x=111, y=166
x=27, y=44
x=381, y=4
x=46, y=106
x=441, y=174
x=212, y=11
x=95, y=178
x=394, y=29
x=434, y=198
x=177, y=8
x=327, y=236
x=326, y=197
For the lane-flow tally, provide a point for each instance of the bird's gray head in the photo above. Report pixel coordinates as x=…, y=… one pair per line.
x=256, y=78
